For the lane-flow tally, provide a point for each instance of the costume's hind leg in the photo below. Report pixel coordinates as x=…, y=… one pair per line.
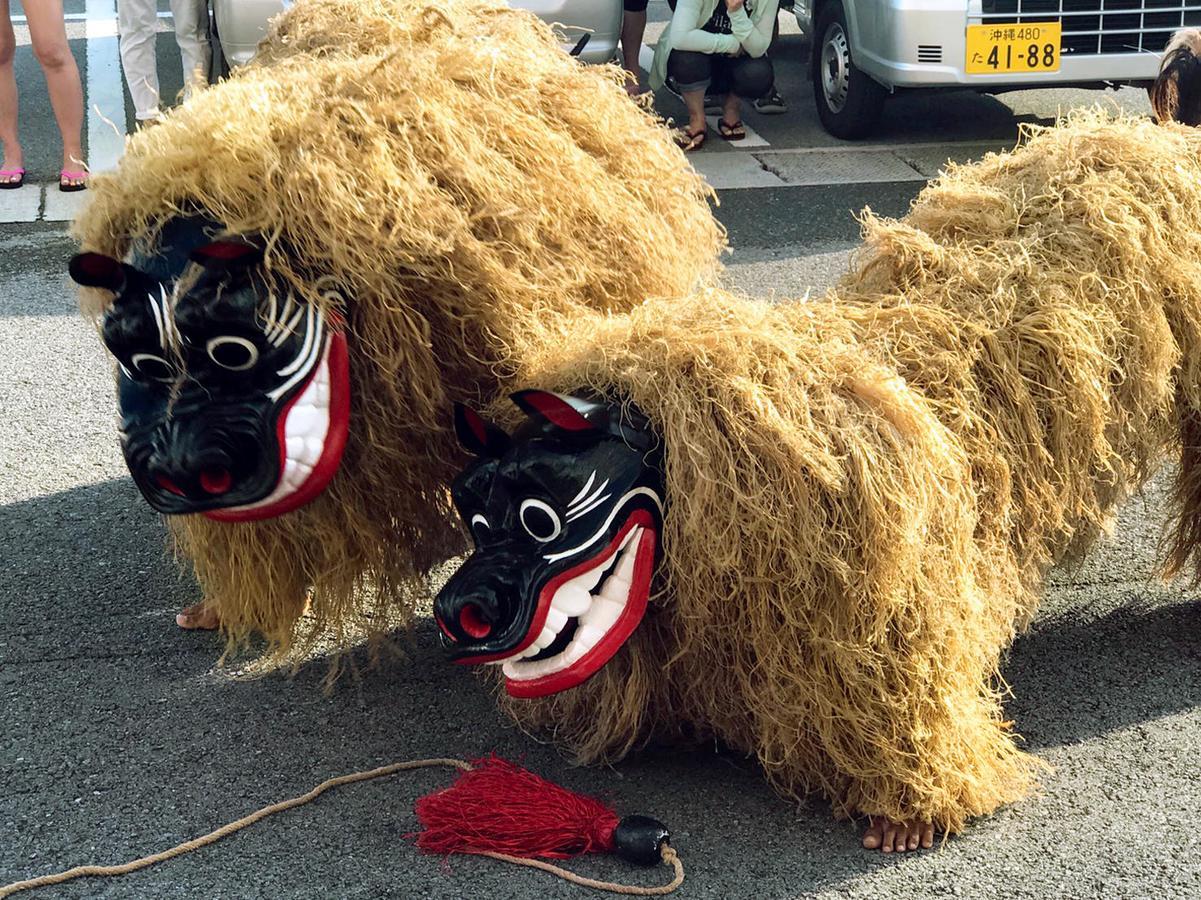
x=900, y=837
x=1184, y=548
x=877, y=681
x=201, y=616
x=902, y=730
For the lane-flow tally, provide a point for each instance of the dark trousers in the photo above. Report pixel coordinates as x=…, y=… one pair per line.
x=747, y=77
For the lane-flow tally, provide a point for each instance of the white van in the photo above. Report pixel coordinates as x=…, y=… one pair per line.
x=590, y=28
x=863, y=50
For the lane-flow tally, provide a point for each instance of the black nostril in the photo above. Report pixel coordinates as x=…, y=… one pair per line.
x=473, y=623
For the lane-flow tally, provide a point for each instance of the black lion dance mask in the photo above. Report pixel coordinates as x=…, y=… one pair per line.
x=565, y=515
x=234, y=398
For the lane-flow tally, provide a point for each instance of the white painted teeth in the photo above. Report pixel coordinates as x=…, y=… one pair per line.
x=546, y=638
x=306, y=450
x=574, y=597
x=532, y=650
x=603, y=615
x=571, y=600
x=588, y=635
x=304, y=419
x=597, y=614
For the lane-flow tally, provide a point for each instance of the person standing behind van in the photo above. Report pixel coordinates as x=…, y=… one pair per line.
x=719, y=46
x=137, y=21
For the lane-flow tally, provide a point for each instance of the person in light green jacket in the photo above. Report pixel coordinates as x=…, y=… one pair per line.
x=719, y=46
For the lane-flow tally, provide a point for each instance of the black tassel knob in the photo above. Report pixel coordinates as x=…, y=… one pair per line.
x=640, y=840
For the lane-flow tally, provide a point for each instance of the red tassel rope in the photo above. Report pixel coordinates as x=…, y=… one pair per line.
x=500, y=807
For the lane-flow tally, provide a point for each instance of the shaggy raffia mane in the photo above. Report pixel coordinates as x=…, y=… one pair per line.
x=865, y=490
x=466, y=184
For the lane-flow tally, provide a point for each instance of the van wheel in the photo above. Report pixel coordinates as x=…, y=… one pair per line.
x=848, y=101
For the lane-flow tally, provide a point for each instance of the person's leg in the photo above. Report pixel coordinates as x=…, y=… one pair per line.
x=692, y=73
x=751, y=77
x=725, y=83
x=48, y=32
x=771, y=103
x=191, y=33
x=136, y=23
x=13, y=157
x=633, y=27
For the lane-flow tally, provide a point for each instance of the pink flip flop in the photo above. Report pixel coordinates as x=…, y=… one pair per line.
x=64, y=176
x=9, y=173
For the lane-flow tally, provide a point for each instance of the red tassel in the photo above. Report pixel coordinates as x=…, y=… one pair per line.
x=499, y=806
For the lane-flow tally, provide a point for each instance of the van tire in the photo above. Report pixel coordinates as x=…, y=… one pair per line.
x=848, y=101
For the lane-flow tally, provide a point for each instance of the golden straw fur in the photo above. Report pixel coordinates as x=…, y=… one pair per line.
x=865, y=490
x=464, y=183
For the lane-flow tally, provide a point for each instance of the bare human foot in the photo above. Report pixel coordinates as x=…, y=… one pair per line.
x=888, y=836
x=199, y=616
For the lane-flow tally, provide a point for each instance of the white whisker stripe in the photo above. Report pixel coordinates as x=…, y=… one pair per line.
x=315, y=350
x=286, y=312
x=289, y=328
x=583, y=491
x=575, y=507
x=304, y=349
x=642, y=491
x=172, y=334
x=572, y=516
x=272, y=318
x=158, y=320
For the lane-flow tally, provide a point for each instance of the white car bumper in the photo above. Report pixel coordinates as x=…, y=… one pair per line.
x=241, y=24
x=599, y=19
x=922, y=43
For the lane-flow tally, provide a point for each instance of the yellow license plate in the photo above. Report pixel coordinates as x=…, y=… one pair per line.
x=1029, y=47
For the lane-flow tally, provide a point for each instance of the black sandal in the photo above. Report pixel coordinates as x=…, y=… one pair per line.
x=731, y=131
x=691, y=141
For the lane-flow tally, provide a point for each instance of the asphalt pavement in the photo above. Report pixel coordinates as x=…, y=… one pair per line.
x=120, y=735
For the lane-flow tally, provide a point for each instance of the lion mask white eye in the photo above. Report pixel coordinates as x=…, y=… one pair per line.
x=236, y=354
x=148, y=365
x=539, y=520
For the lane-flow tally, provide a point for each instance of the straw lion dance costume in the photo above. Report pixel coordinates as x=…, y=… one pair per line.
x=809, y=529
x=302, y=266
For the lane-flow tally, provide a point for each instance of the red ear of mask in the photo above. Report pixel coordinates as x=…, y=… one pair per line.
x=477, y=435
x=554, y=408
x=224, y=254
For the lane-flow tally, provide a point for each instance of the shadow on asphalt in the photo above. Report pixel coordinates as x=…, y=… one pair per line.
x=1075, y=679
